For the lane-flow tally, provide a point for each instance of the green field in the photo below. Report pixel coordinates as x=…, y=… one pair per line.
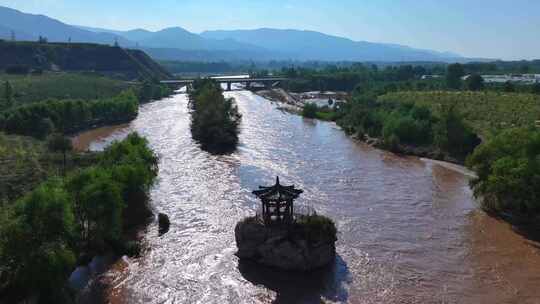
x=487, y=112
x=32, y=88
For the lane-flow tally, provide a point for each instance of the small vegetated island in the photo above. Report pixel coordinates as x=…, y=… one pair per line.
x=282, y=238
x=215, y=120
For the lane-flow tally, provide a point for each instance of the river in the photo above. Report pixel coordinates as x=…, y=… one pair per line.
x=409, y=229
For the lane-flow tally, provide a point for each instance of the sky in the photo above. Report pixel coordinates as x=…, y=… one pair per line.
x=503, y=29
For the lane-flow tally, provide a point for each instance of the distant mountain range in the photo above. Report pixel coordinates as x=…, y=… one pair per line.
x=179, y=44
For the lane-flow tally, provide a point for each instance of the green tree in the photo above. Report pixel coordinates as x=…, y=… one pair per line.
x=508, y=170
x=535, y=88
x=35, y=242
x=452, y=134
x=102, y=202
x=97, y=205
x=475, y=82
x=454, y=72
x=8, y=94
x=509, y=87
x=59, y=143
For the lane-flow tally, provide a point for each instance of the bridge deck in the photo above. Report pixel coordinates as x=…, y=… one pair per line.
x=226, y=80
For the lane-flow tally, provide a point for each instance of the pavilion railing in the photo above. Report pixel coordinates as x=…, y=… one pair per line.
x=300, y=209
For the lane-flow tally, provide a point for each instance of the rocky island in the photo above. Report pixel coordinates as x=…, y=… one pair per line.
x=283, y=239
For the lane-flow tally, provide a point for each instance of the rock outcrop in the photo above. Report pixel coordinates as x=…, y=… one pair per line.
x=301, y=246
x=164, y=223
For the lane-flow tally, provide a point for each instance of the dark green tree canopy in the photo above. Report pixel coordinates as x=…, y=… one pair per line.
x=475, y=82
x=454, y=72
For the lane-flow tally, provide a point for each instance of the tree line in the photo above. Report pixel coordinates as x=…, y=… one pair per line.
x=39, y=119
x=64, y=222
x=398, y=124
x=215, y=120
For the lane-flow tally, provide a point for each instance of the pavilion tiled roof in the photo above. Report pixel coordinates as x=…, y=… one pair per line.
x=277, y=192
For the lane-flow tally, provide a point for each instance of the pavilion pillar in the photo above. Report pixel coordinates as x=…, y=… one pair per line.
x=291, y=206
x=278, y=206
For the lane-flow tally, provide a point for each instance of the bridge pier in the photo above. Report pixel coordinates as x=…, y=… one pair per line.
x=229, y=86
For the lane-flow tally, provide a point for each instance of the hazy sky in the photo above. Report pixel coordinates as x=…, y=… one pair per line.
x=508, y=29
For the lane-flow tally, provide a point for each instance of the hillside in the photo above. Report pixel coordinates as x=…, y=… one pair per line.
x=113, y=61
x=485, y=111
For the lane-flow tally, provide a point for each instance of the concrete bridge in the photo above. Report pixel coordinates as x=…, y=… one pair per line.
x=268, y=82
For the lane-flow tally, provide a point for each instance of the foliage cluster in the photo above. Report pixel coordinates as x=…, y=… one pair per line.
x=407, y=123
x=508, y=170
x=149, y=90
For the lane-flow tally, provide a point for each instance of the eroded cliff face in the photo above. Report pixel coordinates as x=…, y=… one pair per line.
x=285, y=247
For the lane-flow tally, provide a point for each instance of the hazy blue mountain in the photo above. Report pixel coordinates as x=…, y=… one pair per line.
x=176, y=38
x=176, y=43
x=5, y=33
x=210, y=55
x=310, y=45
x=137, y=34
x=35, y=25
x=179, y=38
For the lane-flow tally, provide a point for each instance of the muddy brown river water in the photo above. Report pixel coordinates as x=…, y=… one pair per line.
x=409, y=229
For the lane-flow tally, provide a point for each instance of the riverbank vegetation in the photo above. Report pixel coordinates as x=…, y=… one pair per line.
x=44, y=233
x=403, y=126
x=487, y=112
x=215, y=120
x=40, y=116
x=508, y=169
x=439, y=116
x=312, y=110
x=69, y=115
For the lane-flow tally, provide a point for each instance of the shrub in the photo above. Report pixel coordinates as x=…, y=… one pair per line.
x=317, y=228
x=310, y=110
x=18, y=69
